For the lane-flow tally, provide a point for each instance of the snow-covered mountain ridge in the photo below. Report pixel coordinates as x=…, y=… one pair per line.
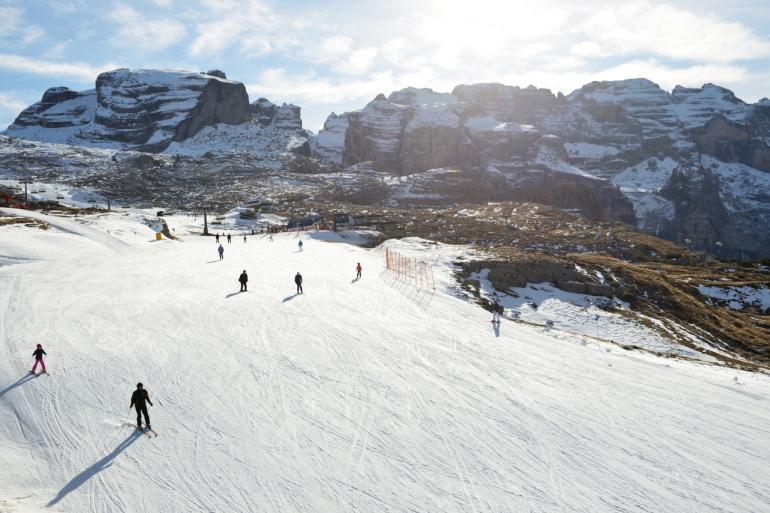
x=159, y=110
x=631, y=133
x=690, y=165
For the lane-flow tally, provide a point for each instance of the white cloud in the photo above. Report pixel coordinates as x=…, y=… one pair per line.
x=556, y=44
x=215, y=36
x=251, y=24
x=332, y=48
x=31, y=33
x=10, y=19
x=11, y=103
x=311, y=88
x=358, y=61
x=671, y=32
x=57, y=51
x=137, y=32
x=66, y=6
x=78, y=70
x=10, y=107
x=13, y=27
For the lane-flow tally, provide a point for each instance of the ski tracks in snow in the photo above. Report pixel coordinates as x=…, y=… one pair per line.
x=368, y=396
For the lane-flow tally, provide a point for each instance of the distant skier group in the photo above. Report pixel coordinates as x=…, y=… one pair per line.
x=228, y=237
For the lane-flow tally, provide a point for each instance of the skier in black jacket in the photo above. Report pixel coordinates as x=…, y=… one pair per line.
x=244, y=279
x=298, y=281
x=497, y=309
x=138, y=399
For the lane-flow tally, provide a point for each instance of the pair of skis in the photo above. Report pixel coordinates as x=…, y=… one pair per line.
x=148, y=431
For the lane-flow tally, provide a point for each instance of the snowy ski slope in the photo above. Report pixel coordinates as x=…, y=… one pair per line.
x=367, y=396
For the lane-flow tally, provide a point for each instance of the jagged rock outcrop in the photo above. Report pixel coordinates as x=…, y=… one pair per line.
x=217, y=73
x=504, y=275
x=60, y=108
x=288, y=116
x=266, y=113
x=329, y=143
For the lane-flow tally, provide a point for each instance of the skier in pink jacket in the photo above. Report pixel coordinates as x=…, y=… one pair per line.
x=38, y=354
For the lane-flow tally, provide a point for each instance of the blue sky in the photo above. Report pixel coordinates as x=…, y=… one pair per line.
x=335, y=56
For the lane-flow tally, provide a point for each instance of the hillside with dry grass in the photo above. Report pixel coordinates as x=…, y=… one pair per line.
x=660, y=280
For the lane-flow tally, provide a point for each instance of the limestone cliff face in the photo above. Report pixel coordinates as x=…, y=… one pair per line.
x=153, y=108
x=375, y=133
x=702, y=220
x=594, y=198
x=732, y=142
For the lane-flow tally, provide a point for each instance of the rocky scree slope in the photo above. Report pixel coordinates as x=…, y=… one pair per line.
x=160, y=110
x=689, y=165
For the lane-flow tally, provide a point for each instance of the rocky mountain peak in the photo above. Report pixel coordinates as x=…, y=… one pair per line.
x=217, y=73
x=58, y=94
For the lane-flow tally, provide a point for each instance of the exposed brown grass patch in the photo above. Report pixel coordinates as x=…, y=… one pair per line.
x=26, y=221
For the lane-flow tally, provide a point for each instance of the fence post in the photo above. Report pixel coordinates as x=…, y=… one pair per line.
x=420, y=276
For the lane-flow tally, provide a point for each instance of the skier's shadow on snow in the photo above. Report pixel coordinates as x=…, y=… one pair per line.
x=289, y=298
x=496, y=327
x=212, y=261
x=22, y=380
x=354, y=280
x=231, y=294
x=94, y=469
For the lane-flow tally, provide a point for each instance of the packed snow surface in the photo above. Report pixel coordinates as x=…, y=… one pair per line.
x=650, y=175
x=591, y=151
x=365, y=395
x=545, y=304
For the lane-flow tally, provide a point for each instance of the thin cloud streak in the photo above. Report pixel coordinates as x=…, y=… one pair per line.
x=78, y=70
